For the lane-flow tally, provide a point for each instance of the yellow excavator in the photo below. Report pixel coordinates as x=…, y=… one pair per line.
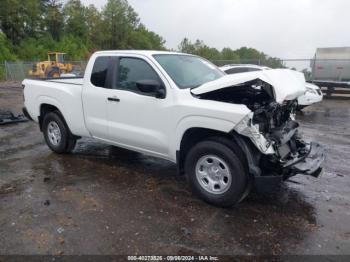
x=52, y=68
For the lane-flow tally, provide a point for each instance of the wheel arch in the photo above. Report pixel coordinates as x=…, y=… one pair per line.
x=248, y=153
x=46, y=104
x=46, y=108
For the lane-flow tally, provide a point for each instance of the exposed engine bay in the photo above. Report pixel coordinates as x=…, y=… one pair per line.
x=259, y=98
x=271, y=126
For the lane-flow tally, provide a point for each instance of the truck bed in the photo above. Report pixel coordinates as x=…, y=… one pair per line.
x=63, y=93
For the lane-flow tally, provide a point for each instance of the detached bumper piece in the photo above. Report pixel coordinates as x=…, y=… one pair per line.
x=7, y=117
x=310, y=164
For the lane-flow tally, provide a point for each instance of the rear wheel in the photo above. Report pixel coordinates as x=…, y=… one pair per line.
x=216, y=173
x=56, y=134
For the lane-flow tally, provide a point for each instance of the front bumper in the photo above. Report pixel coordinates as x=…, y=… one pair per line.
x=308, y=164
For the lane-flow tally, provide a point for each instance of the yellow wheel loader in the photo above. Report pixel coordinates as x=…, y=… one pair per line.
x=52, y=68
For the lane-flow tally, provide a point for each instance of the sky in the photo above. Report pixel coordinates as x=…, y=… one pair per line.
x=288, y=29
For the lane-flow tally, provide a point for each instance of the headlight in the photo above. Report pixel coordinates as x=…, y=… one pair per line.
x=311, y=90
x=246, y=128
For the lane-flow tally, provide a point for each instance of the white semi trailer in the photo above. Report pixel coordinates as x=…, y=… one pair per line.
x=331, y=67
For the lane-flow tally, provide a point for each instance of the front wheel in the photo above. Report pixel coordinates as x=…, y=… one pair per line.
x=56, y=134
x=216, y=173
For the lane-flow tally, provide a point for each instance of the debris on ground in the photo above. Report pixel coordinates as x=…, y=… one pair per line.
x=186, y=231
x=7, y=117
x=61, y=240
x=60, y=230
x=6, y=190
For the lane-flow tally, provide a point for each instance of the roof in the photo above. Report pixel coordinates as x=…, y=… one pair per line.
x=140, y=52
x=333, y=53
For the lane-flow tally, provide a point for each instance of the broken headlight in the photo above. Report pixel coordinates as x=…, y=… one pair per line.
x=246, y=128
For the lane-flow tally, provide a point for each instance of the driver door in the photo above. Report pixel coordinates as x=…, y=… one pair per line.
x=135, y=117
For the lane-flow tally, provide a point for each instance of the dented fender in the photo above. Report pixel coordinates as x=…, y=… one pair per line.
x=246, y=128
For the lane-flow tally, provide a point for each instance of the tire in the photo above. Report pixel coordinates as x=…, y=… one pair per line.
x=56, y=134
x=226, y=166
x=54, y=73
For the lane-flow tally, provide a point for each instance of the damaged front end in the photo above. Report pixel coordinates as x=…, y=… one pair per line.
x=283, y=152
x=271, y=127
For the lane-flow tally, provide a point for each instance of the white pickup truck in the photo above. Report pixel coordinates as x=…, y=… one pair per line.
x=227, y=133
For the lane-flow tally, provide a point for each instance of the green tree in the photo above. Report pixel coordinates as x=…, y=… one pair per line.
x=53, y=18
x=251, y=55
x=19, y=19
x=75, y=48
x=119, y=20
x=35, y=49
x=141, y=38
x=31, y=28
x=273, y=62
x=6, y=53
x=95, y=27
x=186, y=46
x=229, y=55
x=48, y=25
x=75, y=16
x=199, y=48
x=207, y=52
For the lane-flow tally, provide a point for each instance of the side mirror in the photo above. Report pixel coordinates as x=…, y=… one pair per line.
x=151, y=86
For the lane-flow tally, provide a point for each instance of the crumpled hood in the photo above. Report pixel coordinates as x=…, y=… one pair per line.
x=287, y=84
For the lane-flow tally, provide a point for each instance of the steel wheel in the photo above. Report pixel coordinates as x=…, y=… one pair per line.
x=54, y=133
x=213, y=174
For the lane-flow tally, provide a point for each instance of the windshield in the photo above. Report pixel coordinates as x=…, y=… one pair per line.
x=52, y=57
x=60, y=58
x=188, y=71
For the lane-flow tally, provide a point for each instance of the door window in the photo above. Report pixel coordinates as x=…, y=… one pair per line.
x=99, y=71
x=131, y=70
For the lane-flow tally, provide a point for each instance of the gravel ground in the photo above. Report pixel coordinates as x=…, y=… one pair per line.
x=105, y=200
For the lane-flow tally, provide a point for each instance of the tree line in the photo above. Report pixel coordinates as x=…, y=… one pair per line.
x=227, y=55
x=31, y=28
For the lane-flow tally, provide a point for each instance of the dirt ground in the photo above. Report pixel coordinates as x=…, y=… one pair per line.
x=105, y=200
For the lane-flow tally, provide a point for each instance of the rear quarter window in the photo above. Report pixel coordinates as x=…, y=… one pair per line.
x=99, y=71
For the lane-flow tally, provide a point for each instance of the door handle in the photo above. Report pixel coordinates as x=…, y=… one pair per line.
x=114, y=99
